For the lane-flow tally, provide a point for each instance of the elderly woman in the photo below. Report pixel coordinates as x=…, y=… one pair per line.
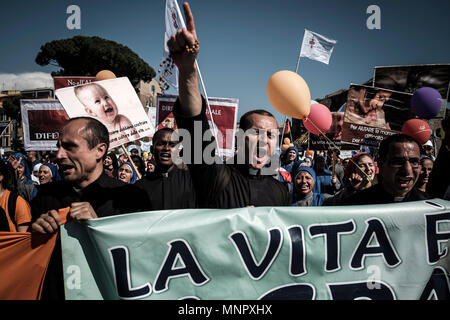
x=127, y=173
x=360, y=174
x=304, y=179
x=48, y=173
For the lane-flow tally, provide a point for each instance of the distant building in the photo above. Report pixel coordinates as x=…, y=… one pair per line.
x=6, y=123
x=148, y=92
x=9, y=128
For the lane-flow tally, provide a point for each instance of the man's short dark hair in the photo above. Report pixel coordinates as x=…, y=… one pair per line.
x=245, y=123
x=158, y=134
x=384, y=146
x=94, y=132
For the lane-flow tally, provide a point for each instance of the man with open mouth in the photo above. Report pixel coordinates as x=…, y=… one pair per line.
x=249, y=178
x=168, y=186
x=399, y=163
x=86, y=189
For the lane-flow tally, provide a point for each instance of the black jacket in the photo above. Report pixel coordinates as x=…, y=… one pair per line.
x=377, y=195
x=173, y=190
x=440, y=175
x=227, y=186
x=107, y=197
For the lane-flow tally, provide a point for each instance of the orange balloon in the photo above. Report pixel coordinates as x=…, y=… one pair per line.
x=104, y=75
x=289, y=94
x=284, y=147
x=286, y=140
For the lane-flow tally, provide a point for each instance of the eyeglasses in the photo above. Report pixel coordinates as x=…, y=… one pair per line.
x=400, y=162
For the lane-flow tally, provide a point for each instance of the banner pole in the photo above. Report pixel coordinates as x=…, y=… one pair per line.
x=131, y=161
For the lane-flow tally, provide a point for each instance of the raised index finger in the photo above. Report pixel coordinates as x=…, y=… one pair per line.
x=190, y=26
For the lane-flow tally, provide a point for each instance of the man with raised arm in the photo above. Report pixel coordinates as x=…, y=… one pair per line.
x=249, y=178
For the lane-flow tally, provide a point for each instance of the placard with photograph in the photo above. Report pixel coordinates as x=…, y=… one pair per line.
x=113, y=102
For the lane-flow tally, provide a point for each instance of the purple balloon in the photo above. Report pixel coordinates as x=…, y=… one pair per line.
x=426, y=103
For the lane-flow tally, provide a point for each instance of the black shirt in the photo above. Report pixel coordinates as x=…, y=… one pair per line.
x=107, y=197
x=377, y=195
x=227, y=186
x=171, y=190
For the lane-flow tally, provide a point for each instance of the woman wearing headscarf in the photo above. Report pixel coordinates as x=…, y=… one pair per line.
x=304, y=179
x=359, y=174
x=127, y=173
x=48, y=173
x=111, y=165
x=35, y=173
x=24, y=183
x=289, y=159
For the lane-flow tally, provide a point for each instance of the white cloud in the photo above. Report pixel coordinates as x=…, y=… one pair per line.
x=25, y=81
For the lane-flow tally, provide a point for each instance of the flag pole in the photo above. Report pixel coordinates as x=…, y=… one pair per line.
x=209, y=108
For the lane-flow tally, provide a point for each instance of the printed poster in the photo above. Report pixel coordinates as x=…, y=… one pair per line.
x=113, y=102
x=42, y=121
x=224, y=112
x=63, y=82
x=410, y=78
x=372, y=114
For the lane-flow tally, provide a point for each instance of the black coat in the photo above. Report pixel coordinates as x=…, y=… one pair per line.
x=173, y=190
x=107, y=197
x=227, y=186
x=440, y=175
x=377, y=195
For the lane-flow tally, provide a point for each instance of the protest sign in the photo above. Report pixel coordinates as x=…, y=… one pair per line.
x=334, y=134
x=392, y=251
x=3, y=125
x=63, y=82
x=42, y=121
x=410, y=78
x=224, y=112
x=113, y=102
x=372, y=114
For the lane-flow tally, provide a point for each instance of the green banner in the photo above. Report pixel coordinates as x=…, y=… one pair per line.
x=395, y=251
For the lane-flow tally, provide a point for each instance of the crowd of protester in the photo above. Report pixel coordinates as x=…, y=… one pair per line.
x=94, y=181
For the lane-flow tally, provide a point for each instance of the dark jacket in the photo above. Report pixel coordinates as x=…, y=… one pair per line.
x=377, y=195
x=227, y=186
x=440, y=175
x=172, y=190
x=107, y=197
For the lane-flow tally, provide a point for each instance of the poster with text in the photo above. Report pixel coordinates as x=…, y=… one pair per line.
x=63, y=82
x=410, y=78
x=224, y=112
x=333, y=136
x=42, y=121
x=113, y=102
x=372, y=114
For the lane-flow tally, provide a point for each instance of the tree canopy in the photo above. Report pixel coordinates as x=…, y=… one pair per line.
x=11, y=107
x=86, y=56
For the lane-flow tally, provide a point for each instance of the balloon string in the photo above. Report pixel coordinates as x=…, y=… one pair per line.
x=334, y=145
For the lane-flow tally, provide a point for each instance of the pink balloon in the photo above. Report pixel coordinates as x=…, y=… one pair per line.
x=320, y=115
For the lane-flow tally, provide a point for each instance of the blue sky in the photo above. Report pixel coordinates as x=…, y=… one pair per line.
x=243, y=42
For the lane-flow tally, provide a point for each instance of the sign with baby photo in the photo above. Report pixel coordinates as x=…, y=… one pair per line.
x=113, y=102
x=372, y=114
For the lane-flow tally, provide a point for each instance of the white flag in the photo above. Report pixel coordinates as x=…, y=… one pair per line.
x=174, y=22
x=317, y=47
